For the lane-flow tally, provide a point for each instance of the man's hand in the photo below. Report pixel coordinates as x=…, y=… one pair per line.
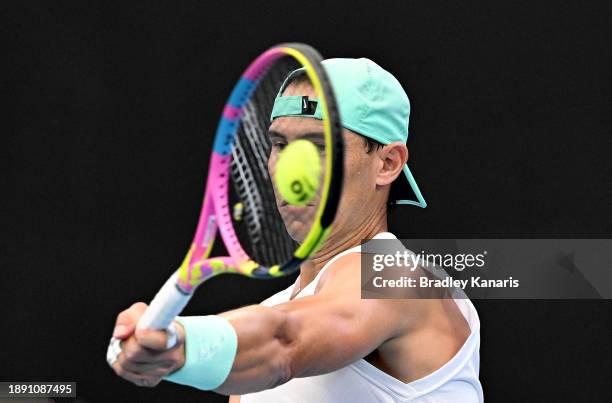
x=144, y=359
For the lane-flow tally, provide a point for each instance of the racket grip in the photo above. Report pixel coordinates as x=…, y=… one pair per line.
x=167, y=305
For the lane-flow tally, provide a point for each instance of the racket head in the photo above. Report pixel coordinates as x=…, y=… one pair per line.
x=241, y=199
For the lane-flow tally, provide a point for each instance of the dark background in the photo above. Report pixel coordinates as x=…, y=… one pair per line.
x=111, y=112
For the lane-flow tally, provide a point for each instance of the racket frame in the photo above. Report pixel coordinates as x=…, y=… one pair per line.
x=215, y=215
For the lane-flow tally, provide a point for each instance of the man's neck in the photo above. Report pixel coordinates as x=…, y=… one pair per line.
x=339, y=242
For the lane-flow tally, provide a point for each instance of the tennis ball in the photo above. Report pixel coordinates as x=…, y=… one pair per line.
x=297, y=172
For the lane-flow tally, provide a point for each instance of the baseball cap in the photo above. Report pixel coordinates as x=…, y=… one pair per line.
x=372, y=103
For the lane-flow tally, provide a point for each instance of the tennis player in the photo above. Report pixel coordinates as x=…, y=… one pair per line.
x=318, y=341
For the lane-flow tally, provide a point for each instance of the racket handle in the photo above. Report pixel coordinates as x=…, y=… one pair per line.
x=167, y=305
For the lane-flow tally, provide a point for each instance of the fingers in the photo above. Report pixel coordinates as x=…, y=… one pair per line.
x=143, y=356
x=159, y=369
x=134, y=352
x=160, y=340
x=147, y=380
x=145, y=366
x=142, y=366
x=127, y=320
x=152, y=339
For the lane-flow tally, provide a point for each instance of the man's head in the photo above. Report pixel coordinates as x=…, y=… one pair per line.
x=374, y=110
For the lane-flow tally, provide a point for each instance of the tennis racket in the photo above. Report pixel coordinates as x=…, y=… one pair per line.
x=241, y=202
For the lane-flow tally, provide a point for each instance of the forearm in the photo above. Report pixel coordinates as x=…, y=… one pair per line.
x=265, y=347
x=306, y=337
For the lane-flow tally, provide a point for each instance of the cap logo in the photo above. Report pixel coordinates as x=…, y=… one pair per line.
x=308, y=107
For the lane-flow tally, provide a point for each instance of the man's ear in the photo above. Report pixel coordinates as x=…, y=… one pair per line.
x=393, y=156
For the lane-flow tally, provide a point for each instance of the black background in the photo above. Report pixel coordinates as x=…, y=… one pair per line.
x=111, y=112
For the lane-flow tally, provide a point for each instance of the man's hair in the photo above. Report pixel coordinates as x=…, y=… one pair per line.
x=371, y=145
x=299, y=77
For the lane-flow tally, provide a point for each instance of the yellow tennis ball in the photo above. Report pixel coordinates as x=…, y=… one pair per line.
x=297, y=172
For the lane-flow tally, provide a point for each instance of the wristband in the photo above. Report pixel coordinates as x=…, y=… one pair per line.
x=210, y=348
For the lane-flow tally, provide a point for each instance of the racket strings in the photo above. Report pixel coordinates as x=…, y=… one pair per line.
x=261, y=231
x=266, y=233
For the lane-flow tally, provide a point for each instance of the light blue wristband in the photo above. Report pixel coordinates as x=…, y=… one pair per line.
x=210, y=348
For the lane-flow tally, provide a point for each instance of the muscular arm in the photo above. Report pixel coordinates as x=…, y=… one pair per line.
x=311, y=335
x=308, y=336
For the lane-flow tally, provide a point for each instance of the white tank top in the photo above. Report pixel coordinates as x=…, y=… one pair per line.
x=361, y=382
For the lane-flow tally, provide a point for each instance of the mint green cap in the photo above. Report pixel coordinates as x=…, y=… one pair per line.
x=372, y=103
